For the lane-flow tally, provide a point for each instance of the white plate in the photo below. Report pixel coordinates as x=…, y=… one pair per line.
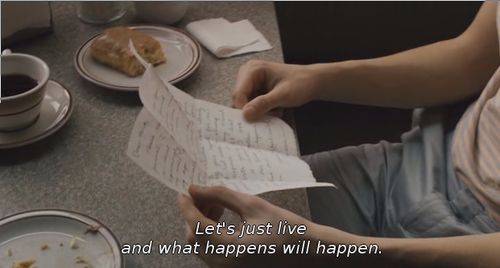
x=45, y=236
x=182, y=51
x=55, y=111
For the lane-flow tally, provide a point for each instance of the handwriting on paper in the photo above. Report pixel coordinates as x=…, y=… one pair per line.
x=181, y=141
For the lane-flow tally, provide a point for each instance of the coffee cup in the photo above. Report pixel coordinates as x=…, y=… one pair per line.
x=24, y=80
x=160, y=12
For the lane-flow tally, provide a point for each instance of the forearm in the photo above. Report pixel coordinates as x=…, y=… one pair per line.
x=425, y=76
x=435, y=74
x=480, y=251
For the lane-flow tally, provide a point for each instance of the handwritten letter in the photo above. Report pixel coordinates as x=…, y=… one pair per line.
x=180, y=141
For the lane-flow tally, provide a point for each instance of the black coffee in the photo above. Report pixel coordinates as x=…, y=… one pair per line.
x=13, y=84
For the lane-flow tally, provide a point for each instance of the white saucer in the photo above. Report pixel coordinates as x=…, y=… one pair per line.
x=183, y=55
x=55, y=111
x=57, y=238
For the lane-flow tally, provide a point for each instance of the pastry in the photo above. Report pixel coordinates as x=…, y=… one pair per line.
x=24, y=264
x=112, y=49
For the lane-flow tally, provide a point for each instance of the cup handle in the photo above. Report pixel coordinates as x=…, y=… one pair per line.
x=6, y=52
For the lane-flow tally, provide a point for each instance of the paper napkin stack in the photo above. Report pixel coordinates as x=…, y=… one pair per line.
x=226, y=39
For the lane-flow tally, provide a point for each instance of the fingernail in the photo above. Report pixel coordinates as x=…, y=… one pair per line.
x=250, y=109
x=181, y=197
x=249, y=112
x=196, y=187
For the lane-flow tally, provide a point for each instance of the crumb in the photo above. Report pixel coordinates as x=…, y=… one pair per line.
x=24, y=264
x=61, y=244
x=93, y=229
x=9, y=252
x=44, y=247
x=81, y=260
x=73, y=244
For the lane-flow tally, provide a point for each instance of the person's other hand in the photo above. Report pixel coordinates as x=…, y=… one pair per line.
x=262, y=87
x=206, y=206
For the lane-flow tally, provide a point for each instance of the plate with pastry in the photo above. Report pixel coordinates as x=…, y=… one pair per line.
x=106, y=60
x=57, y=238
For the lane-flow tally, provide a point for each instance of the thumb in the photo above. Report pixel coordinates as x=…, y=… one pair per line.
x=261, y=105
x=191, y=213
x=194, y=217
x=222, y=197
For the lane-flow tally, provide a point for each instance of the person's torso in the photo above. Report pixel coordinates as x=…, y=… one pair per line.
x=476, y=145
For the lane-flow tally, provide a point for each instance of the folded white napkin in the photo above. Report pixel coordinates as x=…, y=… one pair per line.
x=225, y=39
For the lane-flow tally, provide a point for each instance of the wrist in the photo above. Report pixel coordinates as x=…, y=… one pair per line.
x=331, y=235
x=326, y=78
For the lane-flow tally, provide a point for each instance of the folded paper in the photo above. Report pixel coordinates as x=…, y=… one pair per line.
x=181, y=140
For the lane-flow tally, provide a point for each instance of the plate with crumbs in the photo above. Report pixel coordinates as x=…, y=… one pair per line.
x=57, y=238
x=182, y=51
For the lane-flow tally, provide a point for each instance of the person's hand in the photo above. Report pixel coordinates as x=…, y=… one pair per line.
x=262, y=87
x=206, y=206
